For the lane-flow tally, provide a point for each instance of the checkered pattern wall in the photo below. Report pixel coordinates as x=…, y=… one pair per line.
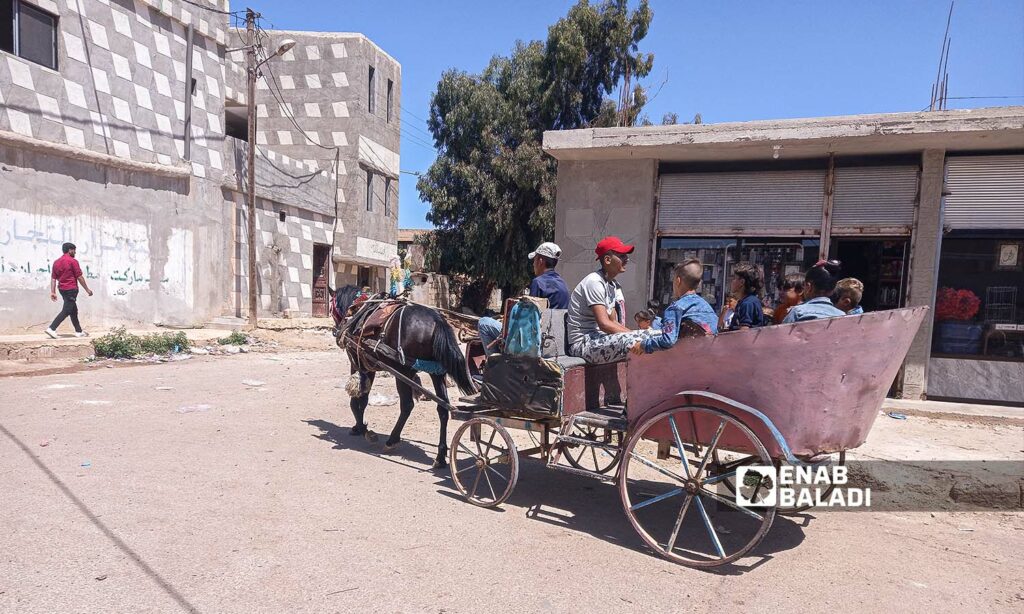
x=284, y=256
x=120, y=84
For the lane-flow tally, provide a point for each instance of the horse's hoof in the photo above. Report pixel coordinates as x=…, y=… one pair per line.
x=355, y=430
x=370, y=436
x=439, y=464
x=390, y=446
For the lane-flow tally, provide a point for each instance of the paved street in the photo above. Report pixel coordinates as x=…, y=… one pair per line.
x=177, y=487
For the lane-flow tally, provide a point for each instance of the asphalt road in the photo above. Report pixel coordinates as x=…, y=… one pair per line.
x=177, y=487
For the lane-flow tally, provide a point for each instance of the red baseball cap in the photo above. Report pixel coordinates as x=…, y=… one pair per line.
x=612, y=244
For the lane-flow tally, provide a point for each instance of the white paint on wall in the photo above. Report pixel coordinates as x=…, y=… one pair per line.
x=117, y=258
x=372, y=249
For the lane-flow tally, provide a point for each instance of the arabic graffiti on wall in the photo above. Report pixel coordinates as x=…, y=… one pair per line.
x=116, y=257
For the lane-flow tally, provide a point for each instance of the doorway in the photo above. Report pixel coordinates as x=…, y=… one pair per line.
x=364, y=277
x=881, y=264
x=321, y=254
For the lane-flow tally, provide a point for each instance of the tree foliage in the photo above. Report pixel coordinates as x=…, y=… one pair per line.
x=492, y=188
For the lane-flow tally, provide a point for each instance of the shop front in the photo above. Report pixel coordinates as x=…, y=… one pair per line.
x=978, y=340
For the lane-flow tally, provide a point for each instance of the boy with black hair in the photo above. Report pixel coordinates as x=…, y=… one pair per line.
x=746, y=284
x=687, y=305
x=792, y=288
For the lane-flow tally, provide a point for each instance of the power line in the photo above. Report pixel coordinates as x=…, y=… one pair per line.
x=211, y=9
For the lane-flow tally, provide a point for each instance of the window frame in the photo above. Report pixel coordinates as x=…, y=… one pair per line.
x=391, y=99
x=16, y=7
x=371, y=99
x=369, y=191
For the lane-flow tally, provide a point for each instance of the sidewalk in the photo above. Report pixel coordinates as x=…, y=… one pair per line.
x=37, y=346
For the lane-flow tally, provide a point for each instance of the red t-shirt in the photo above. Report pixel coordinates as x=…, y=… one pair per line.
x=66, y=271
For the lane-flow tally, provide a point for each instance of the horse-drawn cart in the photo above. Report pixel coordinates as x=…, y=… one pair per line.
x=675, y=429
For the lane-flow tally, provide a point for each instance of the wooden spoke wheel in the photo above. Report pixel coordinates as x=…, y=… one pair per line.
x=484, y=462
x=591, y=458
x=677, y=502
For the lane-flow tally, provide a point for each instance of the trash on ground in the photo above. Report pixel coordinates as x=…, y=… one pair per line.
x=382, y=399
x=61, y=386
x=101, y=578
x=165, y=388
x=178, y=357
x=92, y=402
x=896, y=415
x=232, y=349
x=86, y=464
x=44, y=443
x=188, y=409
x=253, y=382
x=200, y=351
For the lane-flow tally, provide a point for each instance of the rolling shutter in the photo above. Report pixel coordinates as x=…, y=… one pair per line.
x=984, y=192
x=741, y=202
x=874, y=197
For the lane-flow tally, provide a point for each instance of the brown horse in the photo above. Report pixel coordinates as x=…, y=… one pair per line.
x=419, y=334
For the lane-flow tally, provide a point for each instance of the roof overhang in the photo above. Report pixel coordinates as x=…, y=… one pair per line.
x=989, y=129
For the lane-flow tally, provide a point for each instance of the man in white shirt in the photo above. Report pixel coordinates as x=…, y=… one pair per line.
x=596, y=334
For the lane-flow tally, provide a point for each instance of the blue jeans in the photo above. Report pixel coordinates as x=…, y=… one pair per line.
x=490, y=329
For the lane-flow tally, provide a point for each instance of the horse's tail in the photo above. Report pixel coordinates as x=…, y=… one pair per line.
x=446, y=351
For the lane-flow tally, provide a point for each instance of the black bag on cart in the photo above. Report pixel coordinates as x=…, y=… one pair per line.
x=522, y=383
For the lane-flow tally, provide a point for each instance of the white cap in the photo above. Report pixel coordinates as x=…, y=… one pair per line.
x=547, y=249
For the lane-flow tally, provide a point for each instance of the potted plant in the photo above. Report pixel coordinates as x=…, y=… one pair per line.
x=954, y=311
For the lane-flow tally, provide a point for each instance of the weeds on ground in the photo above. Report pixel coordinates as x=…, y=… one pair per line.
x=119, y=343
x=235, y=338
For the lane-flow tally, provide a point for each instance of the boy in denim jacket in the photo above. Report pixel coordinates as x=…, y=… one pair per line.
x=688, y=305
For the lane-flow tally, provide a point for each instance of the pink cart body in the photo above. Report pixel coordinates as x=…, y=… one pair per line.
x=820, y=383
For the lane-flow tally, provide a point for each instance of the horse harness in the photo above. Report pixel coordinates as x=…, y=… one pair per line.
x=373, y=327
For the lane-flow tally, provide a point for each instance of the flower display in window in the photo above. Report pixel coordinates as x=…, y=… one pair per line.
x=953, y=304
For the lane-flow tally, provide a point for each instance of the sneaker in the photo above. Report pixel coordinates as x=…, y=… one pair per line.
x=81, y=333
x=52, y=333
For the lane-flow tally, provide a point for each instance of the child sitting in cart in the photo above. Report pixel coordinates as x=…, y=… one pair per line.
x=688, y=305
x=848, y=295
x=819, y=284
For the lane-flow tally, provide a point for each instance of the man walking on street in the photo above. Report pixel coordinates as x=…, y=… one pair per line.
x=66, y=276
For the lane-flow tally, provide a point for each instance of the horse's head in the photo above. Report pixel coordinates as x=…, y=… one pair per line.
x=342, y=305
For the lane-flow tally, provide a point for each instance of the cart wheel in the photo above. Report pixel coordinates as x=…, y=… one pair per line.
x=677, y=504
x=590, y=458
x=484, y=462
x=831, y=459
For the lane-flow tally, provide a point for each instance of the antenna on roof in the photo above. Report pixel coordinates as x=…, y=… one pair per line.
x=940, y=89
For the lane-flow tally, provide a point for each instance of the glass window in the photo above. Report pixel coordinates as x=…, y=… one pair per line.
x=371, y=102
x=391, y=98
x=369, y=191
x=29, y=32
x=978, y=304
x=7, y=25
x=37, y=35
x=777, y=258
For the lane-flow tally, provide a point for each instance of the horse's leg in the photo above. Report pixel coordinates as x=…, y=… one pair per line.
x=405, y=409
x=441, y=390
x=358, y=405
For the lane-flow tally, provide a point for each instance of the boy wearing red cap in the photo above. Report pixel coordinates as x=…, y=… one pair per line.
x=595, y=334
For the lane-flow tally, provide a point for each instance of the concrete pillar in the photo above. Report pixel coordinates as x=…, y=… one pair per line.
x=599, y=198
x=924, y=268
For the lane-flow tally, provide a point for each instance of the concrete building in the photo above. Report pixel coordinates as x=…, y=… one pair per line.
x=119, y=126
x=911, y=202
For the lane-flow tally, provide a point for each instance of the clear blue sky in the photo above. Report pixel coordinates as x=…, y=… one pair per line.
x=729, y=60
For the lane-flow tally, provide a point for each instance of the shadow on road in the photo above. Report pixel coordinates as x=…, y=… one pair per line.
x=113, y=537
x=404, y=454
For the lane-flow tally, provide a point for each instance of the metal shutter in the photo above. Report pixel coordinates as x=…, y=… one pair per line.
x=985, y=192
x=874, y=197
x=741, y=201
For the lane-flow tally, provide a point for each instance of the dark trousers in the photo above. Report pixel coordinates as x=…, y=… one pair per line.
x=70, y=309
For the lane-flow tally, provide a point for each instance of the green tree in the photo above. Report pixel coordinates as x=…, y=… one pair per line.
x=492, y=188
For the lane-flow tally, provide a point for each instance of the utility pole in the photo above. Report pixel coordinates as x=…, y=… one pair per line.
x=250, y=226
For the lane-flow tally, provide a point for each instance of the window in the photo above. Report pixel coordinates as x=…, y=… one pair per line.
x=28, y=32
x=391, y=98
x=387, y=197
x=979, y=305
x=371, y=103
x=776, y=257
x=369, y=191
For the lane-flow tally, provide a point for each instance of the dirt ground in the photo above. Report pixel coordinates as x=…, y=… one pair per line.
x=230, y=484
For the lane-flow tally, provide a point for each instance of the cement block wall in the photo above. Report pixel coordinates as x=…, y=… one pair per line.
x=600, y=198
x=154, y=249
